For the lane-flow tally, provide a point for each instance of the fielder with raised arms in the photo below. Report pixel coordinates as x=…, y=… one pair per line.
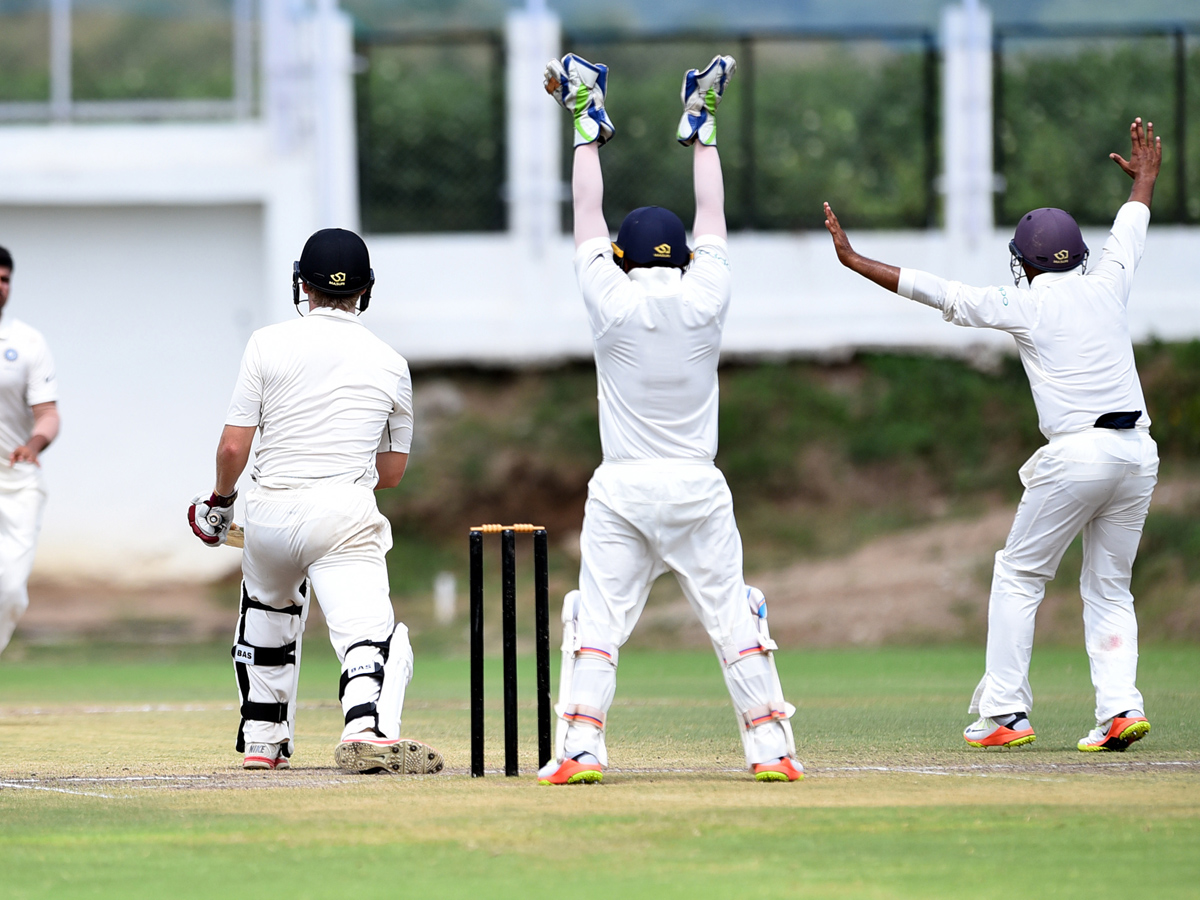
x=657, y=502
x=1100, y=466
x=333, y=404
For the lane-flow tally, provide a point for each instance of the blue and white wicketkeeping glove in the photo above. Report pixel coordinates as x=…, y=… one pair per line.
x=701, y=93
x=580, y=87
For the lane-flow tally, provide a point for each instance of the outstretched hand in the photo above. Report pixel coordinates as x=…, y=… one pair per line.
x=1145, y=159
x=1145, y=155
x=841, y=243
x=881, y=273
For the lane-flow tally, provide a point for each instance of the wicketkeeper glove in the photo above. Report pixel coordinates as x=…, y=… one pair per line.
x=701, y=93
x=210, y=519
x=580, y=87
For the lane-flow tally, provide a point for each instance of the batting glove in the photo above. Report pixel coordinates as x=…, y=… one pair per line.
x=701, y=93
x=210, y=519
x=580, y=87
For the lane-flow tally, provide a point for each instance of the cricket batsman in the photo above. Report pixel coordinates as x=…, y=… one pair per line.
x=333, y=406
x=1098, y=470
x=657, y=503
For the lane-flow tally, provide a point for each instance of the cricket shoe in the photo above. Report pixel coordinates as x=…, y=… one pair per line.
x=570, y=771
x=368, y=754
x=1116, y=733
x=265, y=756
x=1012, y=730
x=786, y=769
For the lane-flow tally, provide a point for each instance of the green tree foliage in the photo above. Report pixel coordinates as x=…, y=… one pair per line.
x=431, y=131
x=1065, y=105
x=827, y=120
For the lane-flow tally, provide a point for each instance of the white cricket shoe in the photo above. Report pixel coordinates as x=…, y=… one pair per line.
x=368, y=753
x=989, y=732
x=265, y=756
x=1116, y=733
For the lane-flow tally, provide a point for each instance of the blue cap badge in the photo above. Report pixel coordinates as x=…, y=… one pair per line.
x=10, y=354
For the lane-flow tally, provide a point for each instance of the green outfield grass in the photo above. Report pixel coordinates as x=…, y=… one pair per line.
x=894, y=804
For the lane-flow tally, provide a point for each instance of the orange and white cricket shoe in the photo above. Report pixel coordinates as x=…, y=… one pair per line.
x=265, y=756
x=787, y=769
x=570, y=771
x=988, y=732
x=1116, y=733
x=368, y=753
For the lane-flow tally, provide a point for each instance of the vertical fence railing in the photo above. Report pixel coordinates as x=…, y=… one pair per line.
x=1175, y=35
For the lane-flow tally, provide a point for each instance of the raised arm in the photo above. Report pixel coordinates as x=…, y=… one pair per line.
x=701, y=93
x=881, y=273
x=587, y=191
x=579, y=86
x=710, y=192
x=1145, y=159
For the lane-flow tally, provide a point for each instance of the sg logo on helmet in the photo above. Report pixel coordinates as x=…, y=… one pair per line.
x=1061, y=256
x=663, y=251
x=339, y=278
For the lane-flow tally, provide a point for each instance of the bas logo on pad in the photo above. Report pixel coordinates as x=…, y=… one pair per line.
x=338, y=278
x=663, y=251
x=1061, y=256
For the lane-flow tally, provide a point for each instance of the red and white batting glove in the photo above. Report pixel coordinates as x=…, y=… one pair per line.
x=210, y=519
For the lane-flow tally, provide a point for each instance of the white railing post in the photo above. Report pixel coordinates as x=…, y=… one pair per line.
x=60, y=59
x=967, y=181
x=533, y=128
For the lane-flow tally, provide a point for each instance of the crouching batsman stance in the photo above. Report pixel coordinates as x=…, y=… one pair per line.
x=333, y=404
x=657, y=502
x=1100, y=466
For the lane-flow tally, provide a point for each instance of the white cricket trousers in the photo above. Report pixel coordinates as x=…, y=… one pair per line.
x=1099, y=482
x=641, y=520
x=20, y=522
x=334, y=537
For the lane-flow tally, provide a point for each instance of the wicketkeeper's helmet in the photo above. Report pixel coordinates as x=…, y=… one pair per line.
x=1047, y=239
x=336, y=263
x=652, y=236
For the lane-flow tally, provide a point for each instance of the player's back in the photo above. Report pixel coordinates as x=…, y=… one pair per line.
x=657, y=337
x=326, y=388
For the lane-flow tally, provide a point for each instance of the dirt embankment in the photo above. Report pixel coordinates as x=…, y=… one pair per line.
x=923, y=584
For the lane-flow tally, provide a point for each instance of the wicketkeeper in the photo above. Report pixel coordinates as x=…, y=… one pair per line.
x=333, y=405
x=1100, y=466
x=657, y=503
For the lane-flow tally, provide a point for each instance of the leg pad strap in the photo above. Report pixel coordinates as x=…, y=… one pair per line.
x=264, y=712
x=764, y=713
x=585, y=715
x=249, y=655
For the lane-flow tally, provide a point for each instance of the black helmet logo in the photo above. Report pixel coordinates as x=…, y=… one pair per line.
x=338, y=279
x=1062, y=256
x=662, y=251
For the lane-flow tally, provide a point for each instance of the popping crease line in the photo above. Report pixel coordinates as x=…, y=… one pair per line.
x=38, y=787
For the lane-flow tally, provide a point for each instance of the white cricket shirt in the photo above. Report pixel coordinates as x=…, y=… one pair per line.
x=26, y=378
x=1071, y=328
x=326, y=395
x=657, y=338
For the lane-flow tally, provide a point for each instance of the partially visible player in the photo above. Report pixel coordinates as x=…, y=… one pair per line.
x=657, y=503
x=333, y=405
x=1100, y=466
x=28, y=423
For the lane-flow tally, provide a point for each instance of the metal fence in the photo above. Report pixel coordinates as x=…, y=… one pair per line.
x=431, y=149
x=184, y=60
x=1063, y=98
x=849, y=115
